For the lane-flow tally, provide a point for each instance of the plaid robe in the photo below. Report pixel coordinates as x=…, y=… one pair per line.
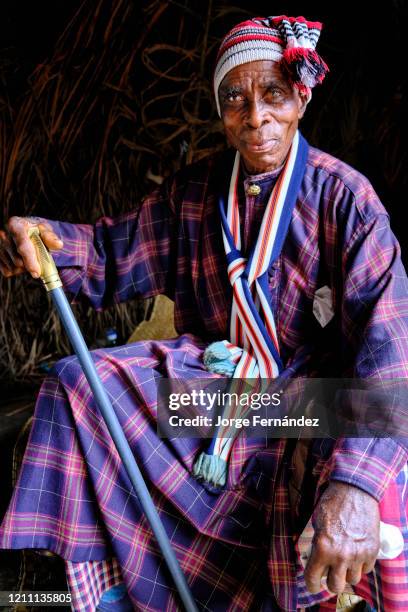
x=236, y=544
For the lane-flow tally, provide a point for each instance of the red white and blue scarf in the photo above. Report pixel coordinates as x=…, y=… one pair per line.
x=253, y=348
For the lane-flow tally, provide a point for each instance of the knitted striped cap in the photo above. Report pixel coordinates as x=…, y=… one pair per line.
x=288, y=40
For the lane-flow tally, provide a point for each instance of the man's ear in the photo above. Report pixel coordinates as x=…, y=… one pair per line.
x=303, y=101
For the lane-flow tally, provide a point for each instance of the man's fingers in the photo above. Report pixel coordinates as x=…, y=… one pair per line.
x=353, y=575
x=11, y=264
x=17, y=250
x=368, y=566
x=6, y=259
x=9, y=260
x=5, y=270
x=315, y=570
x=28, y=254
x=13, y=257
x=17, y=228
x=336, y=578
x=19, y=271
x=49, y=237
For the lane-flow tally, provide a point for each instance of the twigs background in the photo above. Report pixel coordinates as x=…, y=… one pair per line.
x=121, y=99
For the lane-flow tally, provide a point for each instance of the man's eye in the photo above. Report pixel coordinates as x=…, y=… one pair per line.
x=274, y=93
x=233, y=96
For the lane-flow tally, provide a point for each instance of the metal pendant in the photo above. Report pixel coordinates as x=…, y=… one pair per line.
x=253, y=190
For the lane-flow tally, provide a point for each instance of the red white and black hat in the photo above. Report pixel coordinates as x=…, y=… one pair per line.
x=288, y=40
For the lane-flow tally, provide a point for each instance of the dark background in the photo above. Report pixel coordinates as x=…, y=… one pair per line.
x=95, y=96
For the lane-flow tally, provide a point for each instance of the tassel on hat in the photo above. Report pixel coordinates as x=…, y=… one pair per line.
x=304, y=67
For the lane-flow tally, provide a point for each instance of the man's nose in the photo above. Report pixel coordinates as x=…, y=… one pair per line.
x=256, y=114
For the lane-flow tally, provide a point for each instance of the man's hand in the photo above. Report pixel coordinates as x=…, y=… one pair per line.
x=17, y=253
x=346, y=540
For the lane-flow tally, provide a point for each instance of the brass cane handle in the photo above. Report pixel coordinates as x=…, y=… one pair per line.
x=49, y=273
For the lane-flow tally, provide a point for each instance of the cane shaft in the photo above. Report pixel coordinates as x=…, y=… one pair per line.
x=109, y=416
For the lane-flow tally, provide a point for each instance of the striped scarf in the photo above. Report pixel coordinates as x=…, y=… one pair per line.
x=253, y=349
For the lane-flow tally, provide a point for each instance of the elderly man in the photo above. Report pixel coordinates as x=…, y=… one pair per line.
x=243, y=242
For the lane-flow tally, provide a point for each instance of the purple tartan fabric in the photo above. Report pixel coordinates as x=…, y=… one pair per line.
x=87, y=581
x=72, y=496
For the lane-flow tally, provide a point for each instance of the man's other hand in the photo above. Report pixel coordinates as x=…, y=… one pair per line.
x=346, y=541
x=17, y=253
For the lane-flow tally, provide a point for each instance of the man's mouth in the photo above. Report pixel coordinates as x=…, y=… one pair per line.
x=260, y=145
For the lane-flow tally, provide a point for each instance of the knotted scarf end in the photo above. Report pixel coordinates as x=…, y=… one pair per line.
x=217, y=359
x=212, y=469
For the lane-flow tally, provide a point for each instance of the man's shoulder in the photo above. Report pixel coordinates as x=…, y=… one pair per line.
x=330, y=166
x=341, y=181
x=198, y=182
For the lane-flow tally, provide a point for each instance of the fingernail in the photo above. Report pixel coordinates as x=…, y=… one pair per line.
x=35, y=274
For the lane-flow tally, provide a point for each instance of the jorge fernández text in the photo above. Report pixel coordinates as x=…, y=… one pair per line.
x=254, y=420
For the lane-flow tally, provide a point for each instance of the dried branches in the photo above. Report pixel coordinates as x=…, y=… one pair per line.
x=121, y=99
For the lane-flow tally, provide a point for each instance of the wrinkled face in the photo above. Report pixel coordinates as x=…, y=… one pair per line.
x=260, y=111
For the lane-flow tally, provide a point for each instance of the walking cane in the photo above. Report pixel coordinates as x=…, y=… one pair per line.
x=50, y=277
